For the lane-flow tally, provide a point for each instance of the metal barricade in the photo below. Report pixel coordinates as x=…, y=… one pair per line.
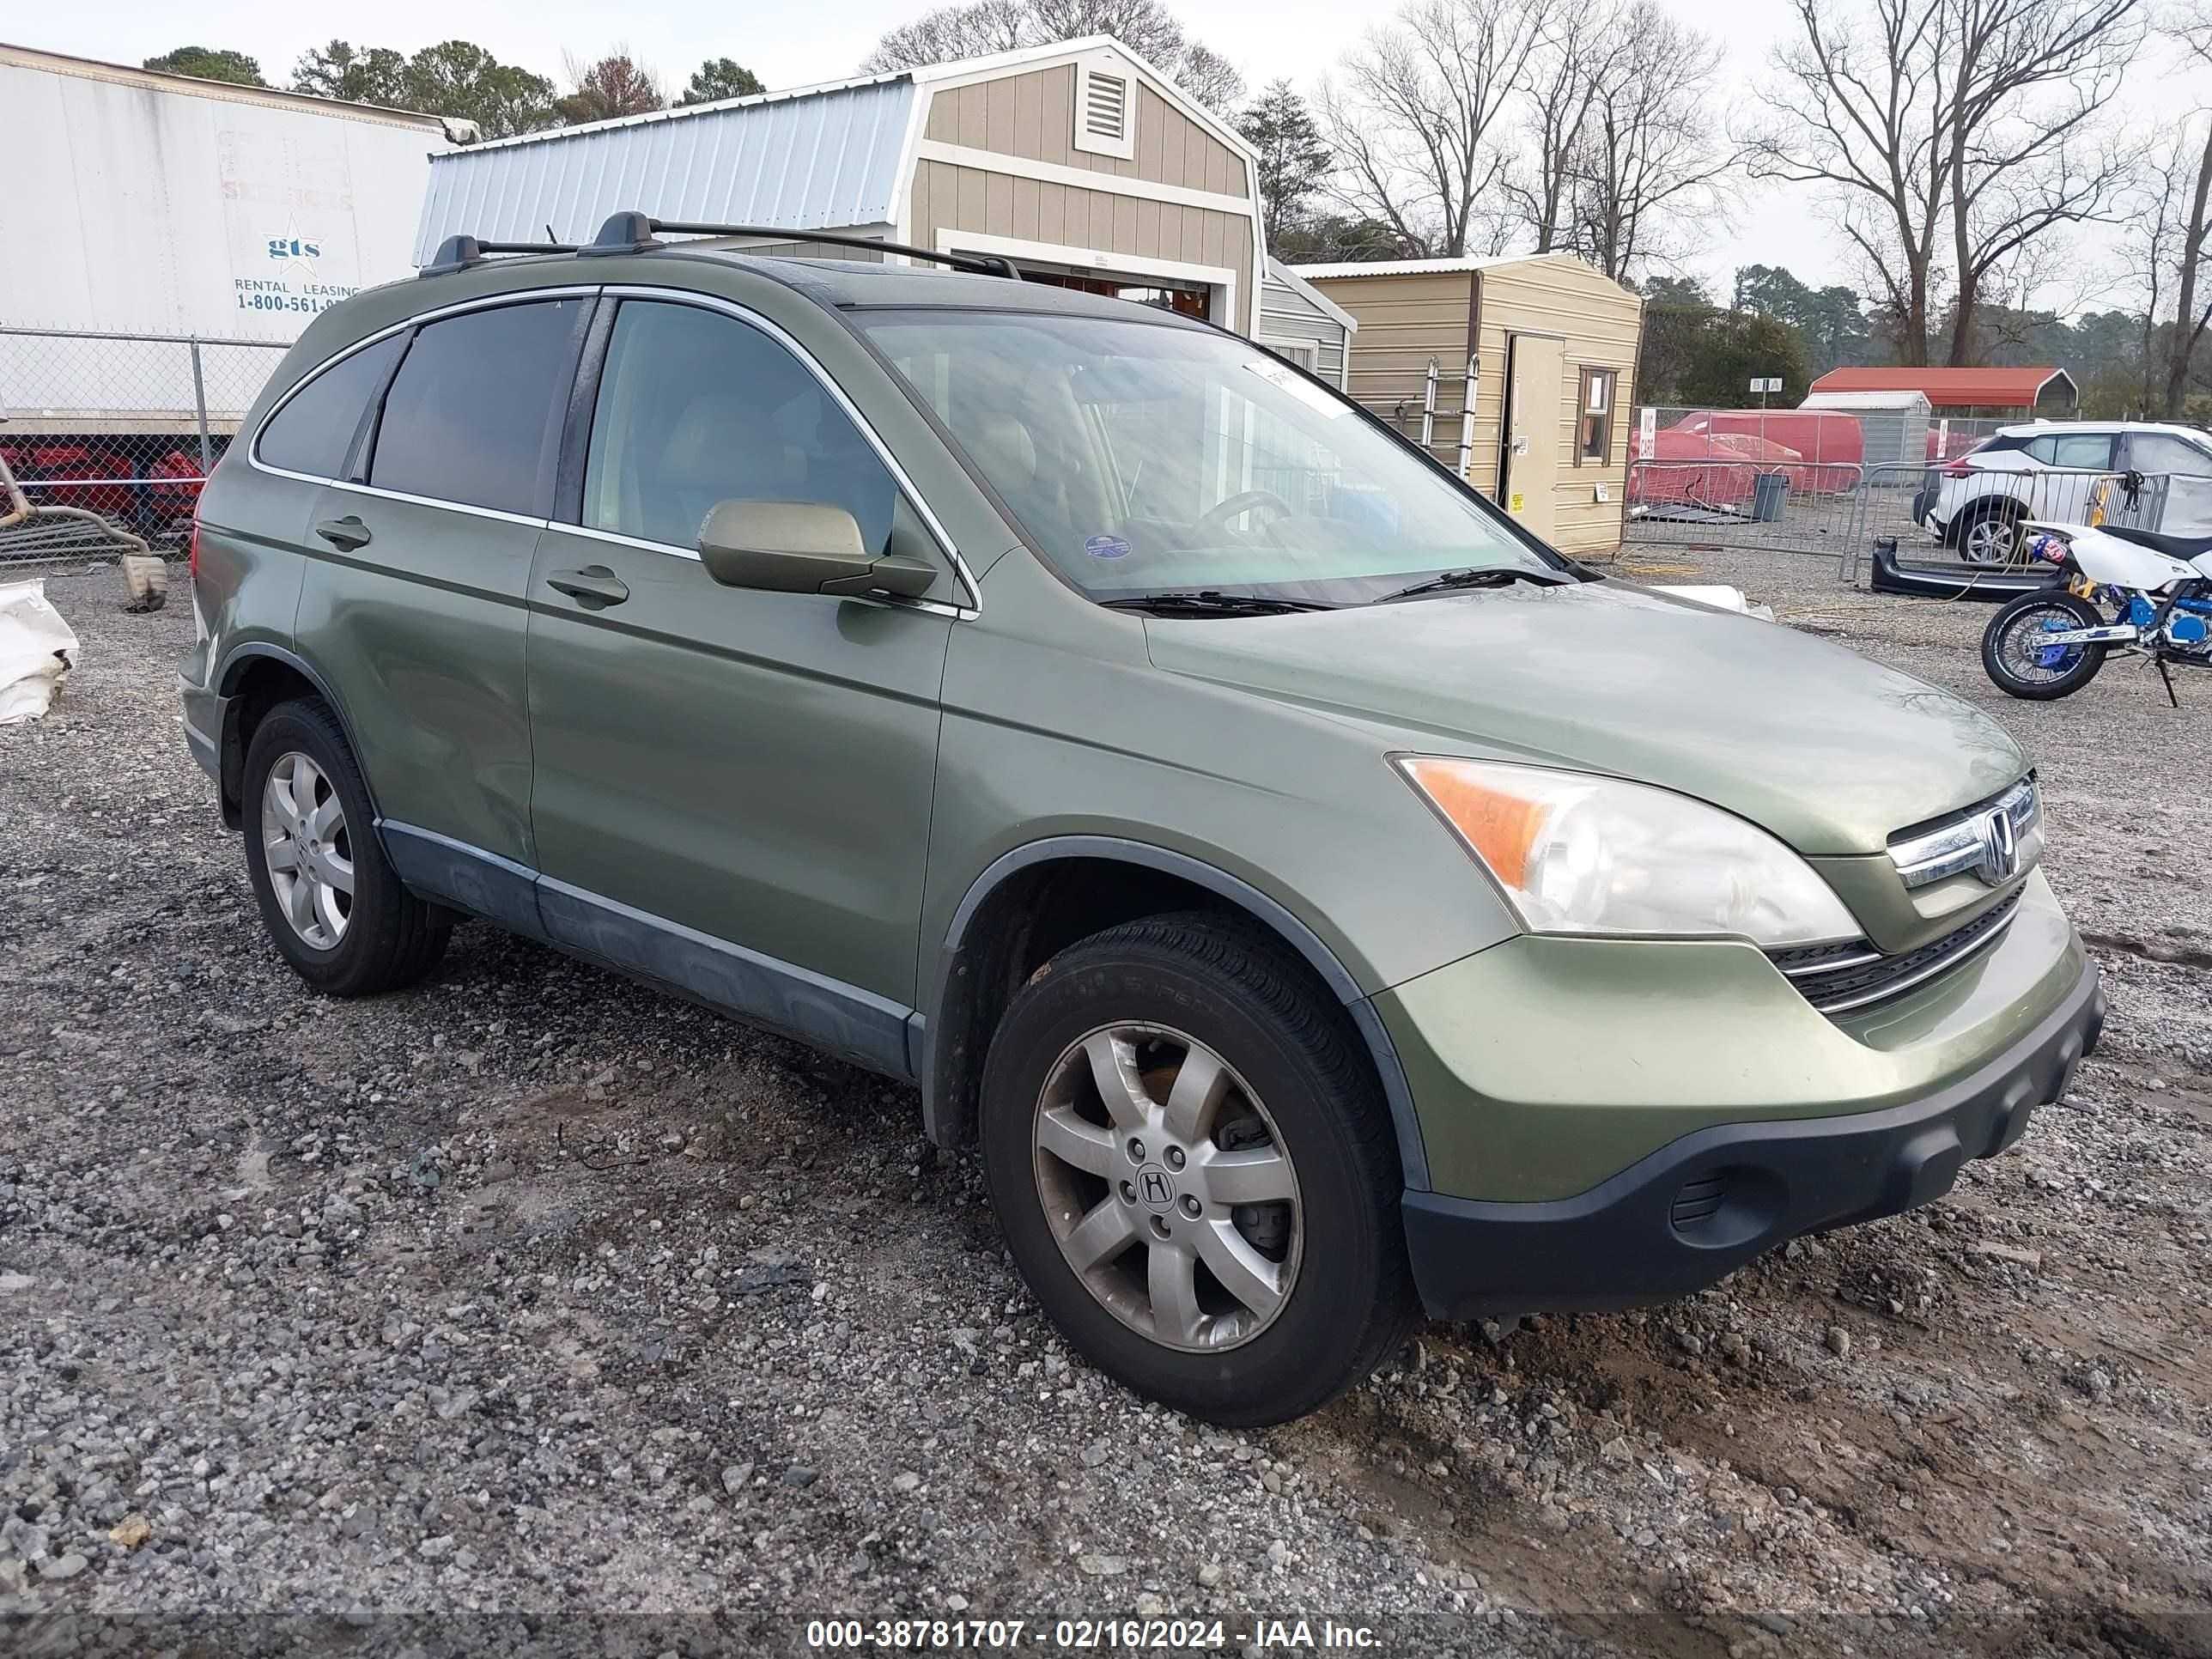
x=1809, y=509
x=1956, y=517
x=123, y=427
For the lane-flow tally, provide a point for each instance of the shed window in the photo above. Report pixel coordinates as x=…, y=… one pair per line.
x=1105, y=109
x=1594, y=431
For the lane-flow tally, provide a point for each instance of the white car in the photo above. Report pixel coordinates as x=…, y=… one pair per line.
x=2047, y=470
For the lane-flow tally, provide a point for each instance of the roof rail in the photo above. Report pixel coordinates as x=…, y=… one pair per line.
x=631, y=232
x=460, y=253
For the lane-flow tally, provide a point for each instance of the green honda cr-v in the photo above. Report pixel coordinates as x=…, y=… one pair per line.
x=1319, y=899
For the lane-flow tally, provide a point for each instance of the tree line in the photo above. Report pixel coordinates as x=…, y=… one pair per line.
x=460, y=79
x=1977, y=158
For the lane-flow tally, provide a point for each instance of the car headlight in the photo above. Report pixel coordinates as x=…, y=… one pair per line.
x=1581, y=854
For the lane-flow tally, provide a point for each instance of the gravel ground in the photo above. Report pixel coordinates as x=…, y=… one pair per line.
x=549, y=1310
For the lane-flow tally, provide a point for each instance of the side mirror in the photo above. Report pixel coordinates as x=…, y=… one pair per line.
x=802, y=547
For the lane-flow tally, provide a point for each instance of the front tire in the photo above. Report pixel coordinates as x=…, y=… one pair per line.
x=334, y=907
x=1195, y=1169
x=2017, y=665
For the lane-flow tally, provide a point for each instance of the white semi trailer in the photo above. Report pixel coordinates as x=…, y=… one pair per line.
x=165, y=237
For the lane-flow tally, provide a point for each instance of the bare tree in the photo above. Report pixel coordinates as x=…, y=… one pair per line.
x=950, y=32
x=2178, y=227
x=1972, y=125
x=616, y=85
x=1647, y=154
x=1856, y=112
x=1415, y=119
x=1565, y=73
x=980, y=28
x=2025, y=156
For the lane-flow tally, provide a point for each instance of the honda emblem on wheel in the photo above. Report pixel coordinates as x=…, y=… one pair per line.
x=1154, y=1184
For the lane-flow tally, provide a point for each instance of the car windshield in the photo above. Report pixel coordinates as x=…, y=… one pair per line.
x=1144, y=459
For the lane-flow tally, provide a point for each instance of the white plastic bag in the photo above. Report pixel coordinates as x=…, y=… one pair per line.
x=1719, y=597
x=35, y=649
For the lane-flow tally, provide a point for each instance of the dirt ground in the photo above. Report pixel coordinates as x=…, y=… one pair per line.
x=532, y=1308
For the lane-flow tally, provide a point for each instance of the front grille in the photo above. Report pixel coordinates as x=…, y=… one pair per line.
x=1837, y=978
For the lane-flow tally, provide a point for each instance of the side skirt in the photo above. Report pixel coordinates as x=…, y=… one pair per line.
x=825, y=1013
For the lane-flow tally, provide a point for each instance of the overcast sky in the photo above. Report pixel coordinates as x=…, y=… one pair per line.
x=791, y=45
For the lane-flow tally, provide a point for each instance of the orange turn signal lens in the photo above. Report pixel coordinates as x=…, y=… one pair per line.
x=1501, y=828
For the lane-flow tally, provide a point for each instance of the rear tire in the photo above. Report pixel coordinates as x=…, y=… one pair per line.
x=1989, y=536
x=1314, y=1289
x=334, y=907
x=2010, y=653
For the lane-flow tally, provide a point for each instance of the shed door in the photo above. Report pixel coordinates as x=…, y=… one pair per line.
x=1534, y=368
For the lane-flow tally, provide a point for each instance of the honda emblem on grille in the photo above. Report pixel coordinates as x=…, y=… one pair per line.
x=2000, y=860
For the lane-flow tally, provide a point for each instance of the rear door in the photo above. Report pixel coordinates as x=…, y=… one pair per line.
x=2177, y=496
x=732, y=786
x=412, y=606
x=2069, y=475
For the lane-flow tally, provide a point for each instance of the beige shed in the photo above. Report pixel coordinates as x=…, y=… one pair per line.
x=1542, y=348
x=1079, y=161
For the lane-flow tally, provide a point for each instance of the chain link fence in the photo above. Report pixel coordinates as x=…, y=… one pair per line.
x=126, y=428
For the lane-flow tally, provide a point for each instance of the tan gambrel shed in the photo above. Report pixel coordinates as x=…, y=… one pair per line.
x=1551, y=345
x=1077, y=159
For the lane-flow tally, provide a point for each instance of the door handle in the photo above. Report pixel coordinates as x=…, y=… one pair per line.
x=594, y=586
x=346, y=533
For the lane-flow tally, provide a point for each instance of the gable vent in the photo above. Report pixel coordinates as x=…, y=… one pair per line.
x=1105, y=112
x=1106, y=106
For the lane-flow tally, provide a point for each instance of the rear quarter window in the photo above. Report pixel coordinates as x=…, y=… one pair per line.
x=314, y=432
x=474, y=413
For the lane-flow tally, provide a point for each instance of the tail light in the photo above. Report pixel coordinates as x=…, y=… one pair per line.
x=192, y=549
x=1958, y=470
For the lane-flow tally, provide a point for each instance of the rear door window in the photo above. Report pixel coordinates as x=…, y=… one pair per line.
x=2088, y=451
x=313, y=432
x=474, y=413
x=696, y=408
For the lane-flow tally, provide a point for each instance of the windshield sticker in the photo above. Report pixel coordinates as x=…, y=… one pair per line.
x=1283, y=377
x=1106, y=547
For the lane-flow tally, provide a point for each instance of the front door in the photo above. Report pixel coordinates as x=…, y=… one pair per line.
x=732, y=788
x=1533, y=393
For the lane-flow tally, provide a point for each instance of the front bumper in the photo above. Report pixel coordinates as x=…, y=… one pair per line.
x=1683, y=1216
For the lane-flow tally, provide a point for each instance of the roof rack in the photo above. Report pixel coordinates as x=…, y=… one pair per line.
x=632, y=232
x=460, y=253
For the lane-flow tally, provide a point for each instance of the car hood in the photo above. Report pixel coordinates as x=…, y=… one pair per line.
x=1827, y=750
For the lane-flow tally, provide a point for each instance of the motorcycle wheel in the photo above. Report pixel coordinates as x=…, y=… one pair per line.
x=2017, y=665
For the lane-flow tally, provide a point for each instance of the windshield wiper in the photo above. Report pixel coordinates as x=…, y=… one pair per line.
x=1212, y=602
x=1495, y=575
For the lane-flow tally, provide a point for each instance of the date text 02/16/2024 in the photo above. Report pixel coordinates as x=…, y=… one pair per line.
x=1104, y=1635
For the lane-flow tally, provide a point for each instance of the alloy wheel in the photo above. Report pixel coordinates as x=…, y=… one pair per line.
x=308, y=849
x=2023, y=652
x=1167, y=1187
x=1990, y=539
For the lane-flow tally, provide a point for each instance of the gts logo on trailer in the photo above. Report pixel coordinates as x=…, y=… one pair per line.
x=288, y=248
